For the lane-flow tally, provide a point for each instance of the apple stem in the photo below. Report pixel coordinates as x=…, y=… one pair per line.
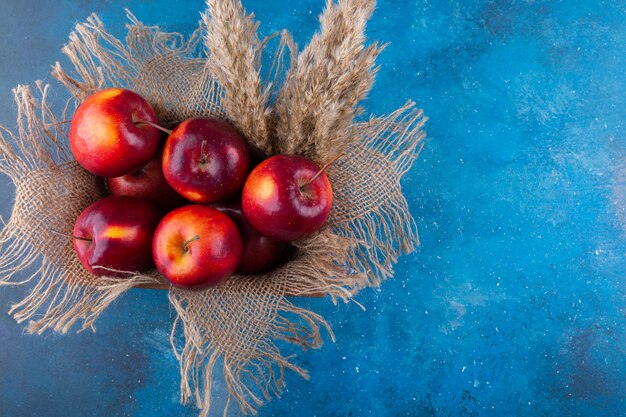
x=326, y=165
x=86, y=239
x=202, y=155
x=187, y=242
x=154, y=125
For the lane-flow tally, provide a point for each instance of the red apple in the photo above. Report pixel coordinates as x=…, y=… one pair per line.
x=260, y=253
x=286, y=197
x=116, y=233
x=196, y=246
x=148, y=182
x=105, y=136
x=205, y=160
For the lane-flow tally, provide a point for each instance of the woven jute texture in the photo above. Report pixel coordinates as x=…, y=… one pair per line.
x=297, y=102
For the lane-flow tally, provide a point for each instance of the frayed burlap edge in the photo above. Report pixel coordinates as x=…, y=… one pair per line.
x=311, y=113
x=50, y=189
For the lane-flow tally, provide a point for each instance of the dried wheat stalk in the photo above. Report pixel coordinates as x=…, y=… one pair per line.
x=234, y=52
x=331, y=75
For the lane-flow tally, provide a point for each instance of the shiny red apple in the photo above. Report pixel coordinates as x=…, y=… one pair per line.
x=106, y=137
x=260, y=253
x=116, y=233
x=287, y=197
x=196, y=246
x=147, y=182
x=205, y=160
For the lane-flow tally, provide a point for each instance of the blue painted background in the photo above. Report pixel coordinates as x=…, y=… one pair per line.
x=515, y=303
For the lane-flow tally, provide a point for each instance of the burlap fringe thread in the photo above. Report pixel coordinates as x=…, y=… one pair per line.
x=308, y=109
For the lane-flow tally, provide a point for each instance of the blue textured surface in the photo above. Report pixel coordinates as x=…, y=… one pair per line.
x=515, y=303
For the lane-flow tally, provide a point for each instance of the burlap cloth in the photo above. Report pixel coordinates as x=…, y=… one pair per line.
x=305, y=103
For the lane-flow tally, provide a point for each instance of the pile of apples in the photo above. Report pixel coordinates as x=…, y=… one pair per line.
x=190, y=204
